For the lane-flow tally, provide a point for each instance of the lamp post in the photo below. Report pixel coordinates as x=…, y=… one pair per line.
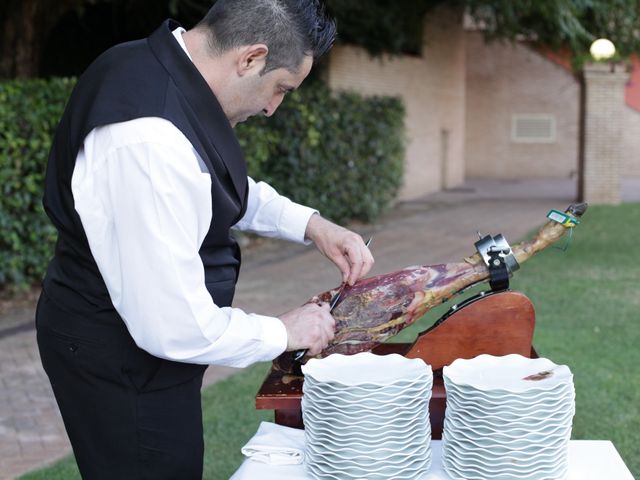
x=602, y=117
x=601, y=50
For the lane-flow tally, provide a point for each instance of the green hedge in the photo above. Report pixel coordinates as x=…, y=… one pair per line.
x=29, y=113
x=341, y=154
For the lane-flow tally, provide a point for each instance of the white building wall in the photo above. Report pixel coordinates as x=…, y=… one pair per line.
x=460, y=96
x=432, y=87
x=505, y=79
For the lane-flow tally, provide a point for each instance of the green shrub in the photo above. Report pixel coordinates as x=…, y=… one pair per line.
x=341, y=154
x=29, y=113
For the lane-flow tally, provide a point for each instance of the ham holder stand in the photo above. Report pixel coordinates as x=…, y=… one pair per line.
x=496, y=322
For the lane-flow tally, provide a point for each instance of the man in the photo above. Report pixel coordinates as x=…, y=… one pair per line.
x=144, y=181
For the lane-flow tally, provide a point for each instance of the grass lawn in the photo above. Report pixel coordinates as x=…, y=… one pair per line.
x=587, y=302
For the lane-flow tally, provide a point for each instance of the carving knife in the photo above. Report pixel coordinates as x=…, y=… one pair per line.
x=332, y=304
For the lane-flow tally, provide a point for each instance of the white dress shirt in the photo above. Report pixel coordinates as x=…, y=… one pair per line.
x=143, y=195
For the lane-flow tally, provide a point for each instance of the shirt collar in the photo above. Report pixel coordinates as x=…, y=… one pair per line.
x=201, y=106
x=177, y=33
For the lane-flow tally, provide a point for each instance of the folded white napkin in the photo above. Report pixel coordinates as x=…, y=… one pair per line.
x=276, y=445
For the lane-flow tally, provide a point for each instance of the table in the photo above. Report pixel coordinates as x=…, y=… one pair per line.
x=588, y=460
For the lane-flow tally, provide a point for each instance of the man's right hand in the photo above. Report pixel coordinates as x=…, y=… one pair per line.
x=309, y=327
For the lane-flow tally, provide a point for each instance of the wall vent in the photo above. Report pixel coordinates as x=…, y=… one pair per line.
x=533, y=128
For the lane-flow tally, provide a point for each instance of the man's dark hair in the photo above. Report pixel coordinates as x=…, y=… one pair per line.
x=291, y=29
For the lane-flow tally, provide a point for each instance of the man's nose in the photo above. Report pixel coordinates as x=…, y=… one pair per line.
x=273, y=105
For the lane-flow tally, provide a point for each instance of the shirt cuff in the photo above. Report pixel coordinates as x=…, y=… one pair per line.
x=274, y=336
x=294, y=220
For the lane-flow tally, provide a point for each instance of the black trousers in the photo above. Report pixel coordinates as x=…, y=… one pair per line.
x=128, y=414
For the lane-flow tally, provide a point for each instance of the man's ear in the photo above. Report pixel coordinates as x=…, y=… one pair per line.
x=252, y=59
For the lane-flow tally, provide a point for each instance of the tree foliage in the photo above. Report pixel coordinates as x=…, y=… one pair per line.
x=562, y=23
x=382, y=26
x=396, y=26
x=45, y=37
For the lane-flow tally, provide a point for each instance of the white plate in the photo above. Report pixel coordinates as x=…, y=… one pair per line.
x=411, y=473
x=372, y=458
x=370, y=400
x=418, y=384
x=484, y=435
x=368, y=404
x=418, y=422
x=536, y=417
x=387, y=441
x=363, y=437
x=529, y=395
x=511, y=407
x=407, y=474
x=477, y=472
x=354, y=412
x=521, y=458
x=509, y=465
x=492, y=448
x=521, y=448
x=455, y=474
x=365, y=369
x=529, y=425
x=466, y=393
x=342, y=472
x=507, y=373
x=424, y=377
x=336, y=420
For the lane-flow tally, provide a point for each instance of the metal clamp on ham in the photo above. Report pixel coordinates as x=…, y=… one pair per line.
x=499, y=259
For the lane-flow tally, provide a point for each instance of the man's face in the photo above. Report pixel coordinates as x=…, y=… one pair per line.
x=264, y=93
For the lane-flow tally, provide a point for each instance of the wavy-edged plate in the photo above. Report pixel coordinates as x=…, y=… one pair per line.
x=365, y=369
x=510, y=373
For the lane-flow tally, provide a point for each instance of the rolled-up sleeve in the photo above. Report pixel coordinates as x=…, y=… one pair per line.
x=272, y=215
x=144, y=200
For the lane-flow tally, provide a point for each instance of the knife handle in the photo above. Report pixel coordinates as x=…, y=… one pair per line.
x=299, y=354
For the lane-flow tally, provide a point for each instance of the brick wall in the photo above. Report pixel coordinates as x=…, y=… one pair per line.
x=432, y=87
x=505, y=79
x=460, y=96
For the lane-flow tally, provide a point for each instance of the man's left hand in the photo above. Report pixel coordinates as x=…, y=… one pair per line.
x=343, y=247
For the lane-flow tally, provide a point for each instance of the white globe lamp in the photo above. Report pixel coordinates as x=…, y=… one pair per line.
x=602, y=49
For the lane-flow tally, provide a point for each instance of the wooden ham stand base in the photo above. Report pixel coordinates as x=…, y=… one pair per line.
x=496, y=323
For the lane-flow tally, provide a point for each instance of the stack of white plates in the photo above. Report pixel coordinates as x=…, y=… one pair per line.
x=367, y=416
x=507, y=418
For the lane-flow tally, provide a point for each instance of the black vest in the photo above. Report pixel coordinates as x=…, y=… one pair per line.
x=145, y=78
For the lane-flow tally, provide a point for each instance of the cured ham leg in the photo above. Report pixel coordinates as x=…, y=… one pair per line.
x=377, y=308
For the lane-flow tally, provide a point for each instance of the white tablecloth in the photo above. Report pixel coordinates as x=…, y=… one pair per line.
x=588, y=460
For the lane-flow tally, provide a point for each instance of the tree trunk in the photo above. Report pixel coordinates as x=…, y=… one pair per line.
x=24, y=27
